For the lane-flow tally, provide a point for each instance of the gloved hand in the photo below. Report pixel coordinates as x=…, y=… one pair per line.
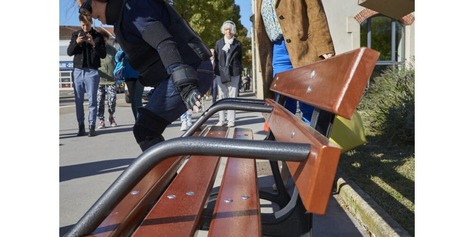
x=191, y=97
x=186, y=81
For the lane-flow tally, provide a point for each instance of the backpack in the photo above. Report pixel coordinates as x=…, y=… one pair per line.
x=118, y=71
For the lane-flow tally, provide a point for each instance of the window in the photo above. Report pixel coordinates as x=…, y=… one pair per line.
x=65, y=80
x=387, y=36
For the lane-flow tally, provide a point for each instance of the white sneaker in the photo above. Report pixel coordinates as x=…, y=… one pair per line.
x=101, y=124
x=220, y=123
x=184, y=126
x=231, y=124
x=189, y=122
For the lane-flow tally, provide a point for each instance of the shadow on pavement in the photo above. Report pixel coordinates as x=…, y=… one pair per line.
x=93, y=168
x=102, y=131
x=63, y=230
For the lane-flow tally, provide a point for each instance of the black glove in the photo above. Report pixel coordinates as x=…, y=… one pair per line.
x=190, y=96
x=185, y=80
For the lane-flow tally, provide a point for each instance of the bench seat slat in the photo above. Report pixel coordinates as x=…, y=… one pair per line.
x=179, y=216
x=241, y=216
x=123, y=219
x=132, y=207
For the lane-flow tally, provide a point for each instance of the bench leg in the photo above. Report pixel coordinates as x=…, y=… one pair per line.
x=281, y=197
x=208, y=211
x=292, y=220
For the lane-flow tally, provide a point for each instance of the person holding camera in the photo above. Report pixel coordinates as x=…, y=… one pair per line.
x=88, y=47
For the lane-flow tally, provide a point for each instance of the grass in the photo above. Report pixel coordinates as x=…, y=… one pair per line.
x=386, y=172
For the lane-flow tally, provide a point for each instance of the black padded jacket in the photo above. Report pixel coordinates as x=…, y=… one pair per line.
x=86, y=56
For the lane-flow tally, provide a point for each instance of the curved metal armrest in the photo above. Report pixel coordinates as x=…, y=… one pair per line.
x=250, y=105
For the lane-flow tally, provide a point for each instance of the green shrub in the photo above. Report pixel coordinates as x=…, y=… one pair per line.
x=388, y=107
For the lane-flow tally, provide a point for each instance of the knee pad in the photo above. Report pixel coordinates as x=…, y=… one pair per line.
x=149, y=128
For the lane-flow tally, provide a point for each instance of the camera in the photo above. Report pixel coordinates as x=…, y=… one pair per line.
x=82, y=33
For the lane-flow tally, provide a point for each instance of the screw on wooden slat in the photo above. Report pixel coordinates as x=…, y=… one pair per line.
x=134, y=192
x=190, y=193
x=171, y=196
x=276, y=79
x=245, y=197
x=228, y=200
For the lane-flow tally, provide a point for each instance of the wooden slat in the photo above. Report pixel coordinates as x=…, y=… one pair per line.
x=126, y=215
x=123, y=219
x=179, y=216
x=237, y=210
x=335, y=84
x=314, y=177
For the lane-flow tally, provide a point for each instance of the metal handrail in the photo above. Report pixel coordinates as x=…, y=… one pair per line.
x=249, y=105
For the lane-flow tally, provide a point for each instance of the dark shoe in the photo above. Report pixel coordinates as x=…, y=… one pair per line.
x=92, y=131
x=82, y=130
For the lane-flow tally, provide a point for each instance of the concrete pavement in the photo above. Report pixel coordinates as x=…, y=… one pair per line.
x=88, y=165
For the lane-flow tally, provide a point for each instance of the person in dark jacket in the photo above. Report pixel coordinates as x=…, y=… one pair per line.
x=228, y=67
x=88, y=47
x=166, y=52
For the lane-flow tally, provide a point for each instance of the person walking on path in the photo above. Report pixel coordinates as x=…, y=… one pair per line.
x=214, y=91
x=88, y=47
x=246, y=83
x=107, y=84
x=228, y=68
x=166, y=52
x=134, y=87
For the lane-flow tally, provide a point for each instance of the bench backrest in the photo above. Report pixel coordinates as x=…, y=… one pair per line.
x=334, y=85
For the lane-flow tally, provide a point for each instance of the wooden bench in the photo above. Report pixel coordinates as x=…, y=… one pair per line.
x=168, y=190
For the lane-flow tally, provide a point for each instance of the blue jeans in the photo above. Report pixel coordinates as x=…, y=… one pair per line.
x=85, y=80
x=281, y=62
x=166, y=101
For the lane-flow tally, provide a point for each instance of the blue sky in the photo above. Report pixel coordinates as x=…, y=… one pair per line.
x=68, y=13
